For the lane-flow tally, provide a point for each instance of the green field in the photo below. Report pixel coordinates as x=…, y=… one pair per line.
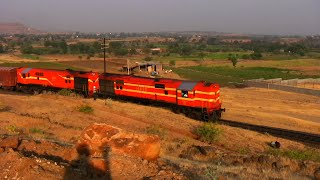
x=46, y=65
x=30, y=56
x=225, y=74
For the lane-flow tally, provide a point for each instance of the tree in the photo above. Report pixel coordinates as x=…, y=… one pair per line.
x=146, y=50
x=185, y=50
x=202, y=55
x=2, y=50
x=133, y=51
x=213, y=41
x=120, y=52
x=245, y=56
x=148, y=58
x=234, y=59
x=172, y=63
x=26, y=49
x=256, y=55
x=64, y=47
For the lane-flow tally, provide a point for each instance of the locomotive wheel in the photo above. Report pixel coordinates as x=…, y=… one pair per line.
x=95, y=96
x=205, y=117
x=194, y=115
x=214, y=117
x=176, y=110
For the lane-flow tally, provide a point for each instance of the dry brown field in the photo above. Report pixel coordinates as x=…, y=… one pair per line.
x=57, y=117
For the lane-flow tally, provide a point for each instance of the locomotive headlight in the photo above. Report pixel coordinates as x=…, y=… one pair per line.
x=94, y=89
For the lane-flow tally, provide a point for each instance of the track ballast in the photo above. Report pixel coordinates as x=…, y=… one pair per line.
x=303, y=137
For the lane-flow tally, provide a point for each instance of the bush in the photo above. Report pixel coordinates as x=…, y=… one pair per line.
x=308, y=154
x=156, y=130
x=65, y=92
x=85, y=109
x=36, y=131
x=245, y=56
x=209, y=132
x=148, y=58
x=172, y=63
x=256, y=55
x=12, y=129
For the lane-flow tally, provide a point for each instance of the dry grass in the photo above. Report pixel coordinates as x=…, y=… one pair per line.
x=58, y=117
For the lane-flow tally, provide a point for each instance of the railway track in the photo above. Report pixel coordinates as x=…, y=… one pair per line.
x=308, y=138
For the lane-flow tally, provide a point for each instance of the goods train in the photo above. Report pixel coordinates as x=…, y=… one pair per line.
x=196, y=99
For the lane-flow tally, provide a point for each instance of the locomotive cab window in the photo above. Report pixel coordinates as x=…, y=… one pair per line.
x=120, y=82
x=161, y=86
x=184, y=94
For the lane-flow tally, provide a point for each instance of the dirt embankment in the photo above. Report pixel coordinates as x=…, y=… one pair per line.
x=238, y=153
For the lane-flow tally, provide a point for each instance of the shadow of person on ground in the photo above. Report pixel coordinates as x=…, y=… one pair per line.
x=87, y=167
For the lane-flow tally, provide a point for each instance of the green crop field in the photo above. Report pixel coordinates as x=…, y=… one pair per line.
x=225, y=74
x=29, y=56
x=47, y=65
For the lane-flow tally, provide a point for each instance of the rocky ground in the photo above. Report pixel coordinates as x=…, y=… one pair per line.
x=40, y=134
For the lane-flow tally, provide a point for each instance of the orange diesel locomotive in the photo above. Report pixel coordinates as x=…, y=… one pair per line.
x=196, y=99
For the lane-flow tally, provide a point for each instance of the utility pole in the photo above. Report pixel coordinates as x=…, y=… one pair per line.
x=104, y=55
x=104, y=47
x=128, y=66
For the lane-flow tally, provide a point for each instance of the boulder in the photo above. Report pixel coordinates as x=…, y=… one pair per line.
x=97, y=139
x=10, y=142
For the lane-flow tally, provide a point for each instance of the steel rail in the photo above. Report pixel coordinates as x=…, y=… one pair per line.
x=300, y=136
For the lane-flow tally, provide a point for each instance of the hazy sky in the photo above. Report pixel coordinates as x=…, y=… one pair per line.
x=240, y=16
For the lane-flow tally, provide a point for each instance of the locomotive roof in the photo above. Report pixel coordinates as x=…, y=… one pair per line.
x=7, y=68
x=147, y=78
x=187, y=85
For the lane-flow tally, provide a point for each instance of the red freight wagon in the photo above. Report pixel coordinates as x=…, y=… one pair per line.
x=8, y=77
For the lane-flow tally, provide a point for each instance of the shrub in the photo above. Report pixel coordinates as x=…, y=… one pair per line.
x=245, y=56
x=12, y=129
x=209, y=132
x=148, y=58
x=156, y=130
x=65, y=92
x=108, y=102
x=308, y=154
x=244, y=150
x=36, y=131
x=85, y=108
x=172, y=63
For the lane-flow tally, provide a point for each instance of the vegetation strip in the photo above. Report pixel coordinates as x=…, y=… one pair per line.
x=304, y=137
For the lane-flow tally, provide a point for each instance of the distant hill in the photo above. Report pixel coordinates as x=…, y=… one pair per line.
x=17, y=28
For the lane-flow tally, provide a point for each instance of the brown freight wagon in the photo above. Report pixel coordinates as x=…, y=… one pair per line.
x=8, y=76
